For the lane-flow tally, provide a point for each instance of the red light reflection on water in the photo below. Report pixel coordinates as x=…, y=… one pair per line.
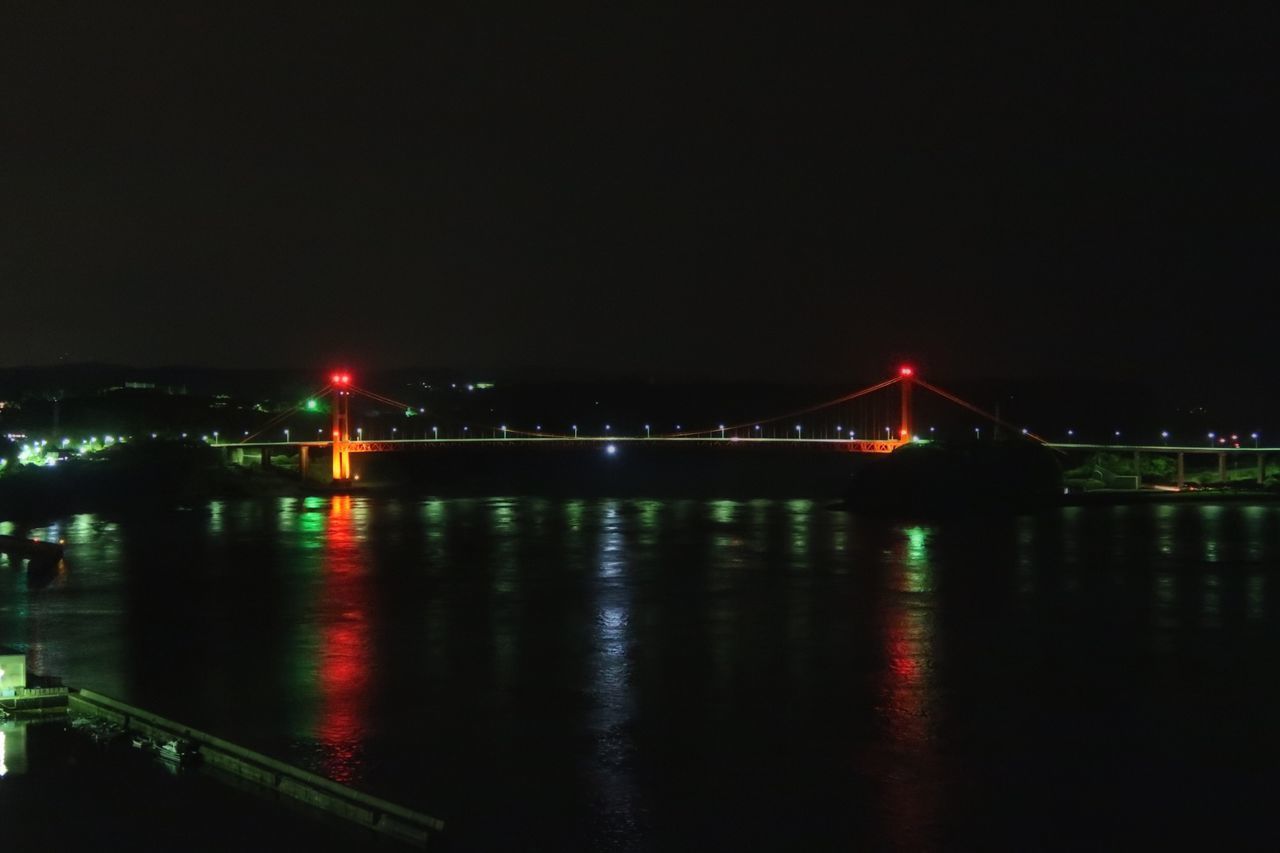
x=344, y=626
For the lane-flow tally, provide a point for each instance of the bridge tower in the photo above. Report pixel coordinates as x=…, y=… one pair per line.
x=907, y=374
x=341, y=427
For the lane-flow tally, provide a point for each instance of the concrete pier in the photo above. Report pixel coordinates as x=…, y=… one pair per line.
x=372, y=813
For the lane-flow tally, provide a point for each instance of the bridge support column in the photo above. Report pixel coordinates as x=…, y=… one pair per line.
x=266, y=457
x=1137, y=469
x=1182, y=470
x=235, y=456
x=304, y=461
x=1262, y=468
x=1222, y=467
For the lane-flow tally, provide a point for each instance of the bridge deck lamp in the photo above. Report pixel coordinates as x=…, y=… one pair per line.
x=799, y=431
x=504, y=430
x=646, y=431
x=575, y=430
x=435, y=432
x=1254, y=436
x=722, y=430
x=1212, y=436
x=1164, y=434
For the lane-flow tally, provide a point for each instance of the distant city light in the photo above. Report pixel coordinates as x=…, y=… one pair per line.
x=611, y=449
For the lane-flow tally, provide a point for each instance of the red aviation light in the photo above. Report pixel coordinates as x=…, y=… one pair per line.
x=906, y=371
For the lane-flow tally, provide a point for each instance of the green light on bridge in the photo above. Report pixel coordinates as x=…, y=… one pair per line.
x=312, y=405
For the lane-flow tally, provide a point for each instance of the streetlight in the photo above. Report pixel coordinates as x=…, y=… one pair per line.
x=286, y=436
x=215, y=436
x=646, y=431
x=1254, y=436
x=393, y=433
x=799, y=432
x=504, y=430
x=360, y=433
x=1071, y=433
x=887, y=433
x=1164, y=433
x=606, y=427
x=722, y=430
x=435, y=432
x=1212, y=436
x=977, y=433
x=575, y=430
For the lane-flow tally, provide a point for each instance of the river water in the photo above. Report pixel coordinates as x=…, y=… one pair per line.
x=550, y=674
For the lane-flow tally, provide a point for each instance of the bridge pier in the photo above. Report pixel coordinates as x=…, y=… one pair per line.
x=304, y=461
x=1137, y=469
x=234, y=455
x=1262, y=468
x=1182, y=470
x=1222, y=467
x=266, y=457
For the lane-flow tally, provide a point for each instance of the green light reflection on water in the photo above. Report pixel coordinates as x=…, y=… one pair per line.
x=647, y=515
x=800, y=515
x=916, y=575
x=722, y=512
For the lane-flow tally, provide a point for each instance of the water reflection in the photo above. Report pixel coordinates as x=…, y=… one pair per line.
x=655, y=670
x=611, y=678
x=345, y=653
x=906, y=690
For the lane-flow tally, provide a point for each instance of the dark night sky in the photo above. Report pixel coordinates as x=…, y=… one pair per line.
x=653, y=191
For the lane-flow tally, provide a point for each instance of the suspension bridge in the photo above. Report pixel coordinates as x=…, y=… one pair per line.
x=886, y=411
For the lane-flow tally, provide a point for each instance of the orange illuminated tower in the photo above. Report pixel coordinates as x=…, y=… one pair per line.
x=907, y=374
x=341, y=426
